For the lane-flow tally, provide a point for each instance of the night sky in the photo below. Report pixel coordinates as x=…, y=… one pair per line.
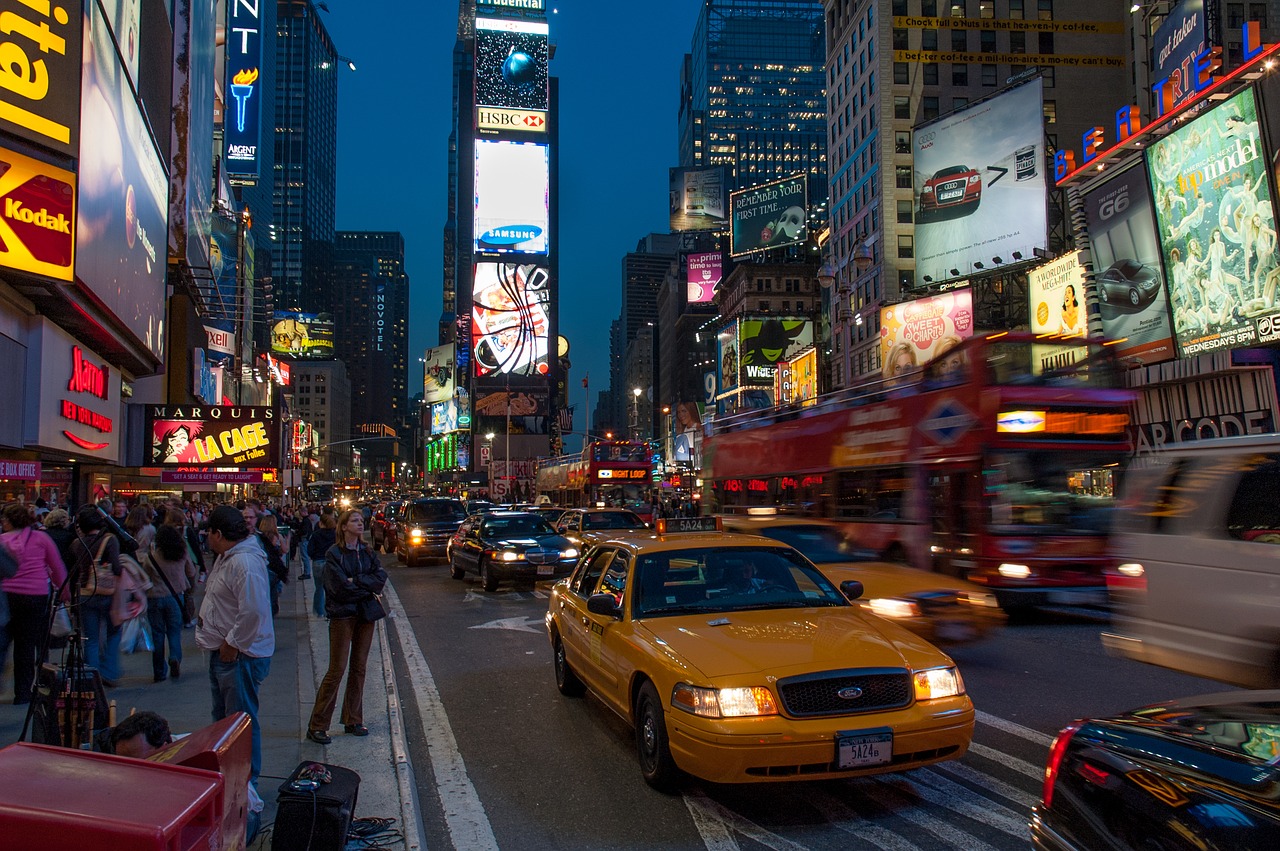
x=619, y=71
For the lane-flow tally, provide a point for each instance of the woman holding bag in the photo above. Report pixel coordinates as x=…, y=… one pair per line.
x=353, y=578
x=27, y=593
x=170, y=567
x=98, y=569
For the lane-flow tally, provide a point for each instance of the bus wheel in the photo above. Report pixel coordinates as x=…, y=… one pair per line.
x=896, y=553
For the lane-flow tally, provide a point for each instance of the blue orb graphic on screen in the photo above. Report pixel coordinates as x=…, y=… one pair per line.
x=519, y=68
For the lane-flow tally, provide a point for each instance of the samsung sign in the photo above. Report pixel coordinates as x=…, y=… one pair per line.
x=242, y=125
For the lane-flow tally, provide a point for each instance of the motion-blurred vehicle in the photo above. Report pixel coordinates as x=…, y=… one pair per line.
x=424, y=527
x=581, y=524
x=382, y=523
x=953, y=186
x=942, y=609
x=1128, y=282
x=1196, y=580
x=550, y=513
x=737, y=661
x=510, y=546
x=1198, y=773
x=477, y=505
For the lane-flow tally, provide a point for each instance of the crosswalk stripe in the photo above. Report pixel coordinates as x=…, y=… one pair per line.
x=986, y=781
x=1018, y=765
x=1014, y=729
x=715, y=834
x=842, y=817
x=731, y=821
x=958, y=799
x=900, y=804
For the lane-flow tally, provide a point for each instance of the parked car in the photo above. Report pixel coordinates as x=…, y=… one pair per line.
x=384, y=516
x=1202, y=772
x=1130, y=283
x=424, y=527
x=506, y=546
x=953, y=186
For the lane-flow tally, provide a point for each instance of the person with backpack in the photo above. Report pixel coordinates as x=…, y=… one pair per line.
x=98, y=548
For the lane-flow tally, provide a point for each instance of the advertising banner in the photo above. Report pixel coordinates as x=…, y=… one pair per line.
x=122, y=220
x=190, y=192
x=1174, y=47
x=223, y=263
x=37, y=219
x=242, y=120
x=1056, y=290
x=511, y=212
x=78, y=407
x=211, y=477
x=705, y=272
x=979, y=185
x=45, y=107
x=438, y=373
x=1217, y=229
x=444, y=417
x=511, y=63
x=697, y=199
x=727, y=360
x=764, y=343
x=770, y=216
x=915, y=332
x=302, y=335
x=510, y=306
x=221, y=340
x=804, y=378
x=214, y=435
x=1130, y=276
x=522, y=411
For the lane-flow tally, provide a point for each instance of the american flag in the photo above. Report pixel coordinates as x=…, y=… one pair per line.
x=566, y=419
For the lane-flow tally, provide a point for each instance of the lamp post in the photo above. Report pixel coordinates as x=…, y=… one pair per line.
x=635, y=411
x=488, y=467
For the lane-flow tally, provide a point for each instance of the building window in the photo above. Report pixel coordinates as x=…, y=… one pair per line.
x=931, y=73
x=929, y=108
x=1235, y=15
x=959, y=74
x=1258, y=12
x=988, y=41
x=929, y=8
x=904, y=211
x=764, y=305
x=1049, y=77
x=903, y=173
x=988, y=75
x=899, y=39
x=901, y=107
x=899, y=7
x=901, y=73
x=1046, y=43
x=960, y=40
x=928, y=39
x=786, y=307
x=906, y=278
x=986, y=8
x=957, y=8
x=1045, y=9
x=1015, y=8
x=959, y=103
x=902, y=141
x=1050, y=112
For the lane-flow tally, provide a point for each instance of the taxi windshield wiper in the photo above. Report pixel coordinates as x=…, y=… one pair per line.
x=788, y=604
x=679, y=610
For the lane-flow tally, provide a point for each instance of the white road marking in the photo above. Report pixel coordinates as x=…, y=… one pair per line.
x=472, y=597
x=1014, y=729
x=958, y=799
x=464, y=814
x=900, y=804
x=715, y=834
x=977, y=778
x=843, y=817
x=521, y=624
x=1018, y=765
x=732, y=822
x=410, y=810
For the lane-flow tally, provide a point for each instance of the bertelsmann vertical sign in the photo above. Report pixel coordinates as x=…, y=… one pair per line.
x=242, y=117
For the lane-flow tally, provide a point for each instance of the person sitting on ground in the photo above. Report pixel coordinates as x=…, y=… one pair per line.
x=140, y=735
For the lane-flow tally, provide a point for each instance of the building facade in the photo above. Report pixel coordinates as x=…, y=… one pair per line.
x=322, y=397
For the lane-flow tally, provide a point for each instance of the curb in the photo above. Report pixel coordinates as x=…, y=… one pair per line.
x=410, y=811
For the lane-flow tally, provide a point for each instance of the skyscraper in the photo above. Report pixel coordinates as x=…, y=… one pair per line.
x=371, y=322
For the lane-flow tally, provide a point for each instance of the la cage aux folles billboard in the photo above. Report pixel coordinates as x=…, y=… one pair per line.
x=511, y=197
x=1217, y=229
x=769, y=216
x=213, y=436
x=980, y=186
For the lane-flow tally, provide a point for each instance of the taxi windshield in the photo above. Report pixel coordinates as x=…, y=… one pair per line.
x=728, y=579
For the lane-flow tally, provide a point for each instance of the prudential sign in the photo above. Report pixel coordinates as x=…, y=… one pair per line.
x=242, y=124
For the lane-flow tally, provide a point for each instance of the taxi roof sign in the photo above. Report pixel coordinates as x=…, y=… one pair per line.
x=667, y=525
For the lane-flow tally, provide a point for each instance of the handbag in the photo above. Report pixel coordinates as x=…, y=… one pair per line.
x=371, y=609
x=60, y=626
x=104, y=579
x=135, y=636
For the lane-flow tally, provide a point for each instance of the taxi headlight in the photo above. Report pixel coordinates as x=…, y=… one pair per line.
x=511, y=555
x=1133, y=571
x=415, y=533
x=569, y=553
x=891, y=607
x=938, y=682
x=725, y=702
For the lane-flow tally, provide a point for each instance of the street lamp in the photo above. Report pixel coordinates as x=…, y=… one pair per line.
x=488, y=467
x=635, y=410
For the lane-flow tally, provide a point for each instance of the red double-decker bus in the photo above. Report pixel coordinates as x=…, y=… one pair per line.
x=998, y=463
x=617, y=473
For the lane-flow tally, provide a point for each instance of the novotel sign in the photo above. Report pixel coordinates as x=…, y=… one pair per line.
x=1127, y=121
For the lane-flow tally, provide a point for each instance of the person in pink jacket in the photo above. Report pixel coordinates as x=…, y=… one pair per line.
x=40, y=568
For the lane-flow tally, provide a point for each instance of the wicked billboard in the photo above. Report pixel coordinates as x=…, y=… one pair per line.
x=212, y=435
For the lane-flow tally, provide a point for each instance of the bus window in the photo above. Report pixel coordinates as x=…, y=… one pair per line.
x=1052, y=364
x=1049, y=493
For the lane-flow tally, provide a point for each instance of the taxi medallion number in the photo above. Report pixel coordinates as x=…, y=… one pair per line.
x=863, y=750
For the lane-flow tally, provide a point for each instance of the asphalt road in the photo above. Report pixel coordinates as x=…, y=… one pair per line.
x=503, y=761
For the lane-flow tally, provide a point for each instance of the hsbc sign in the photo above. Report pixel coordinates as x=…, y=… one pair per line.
x=492, y=120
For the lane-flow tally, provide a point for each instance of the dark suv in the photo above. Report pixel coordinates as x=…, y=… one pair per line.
x=424, y=527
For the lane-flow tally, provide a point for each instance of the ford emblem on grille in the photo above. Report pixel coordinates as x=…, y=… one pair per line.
x=850, y=693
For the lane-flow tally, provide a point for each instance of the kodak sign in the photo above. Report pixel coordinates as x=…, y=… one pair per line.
x=37, y=215
x=40, y=72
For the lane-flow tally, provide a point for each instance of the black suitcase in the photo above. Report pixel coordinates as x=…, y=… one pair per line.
x=315, y=819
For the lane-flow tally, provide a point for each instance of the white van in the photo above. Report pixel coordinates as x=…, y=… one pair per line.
x=1196, y=582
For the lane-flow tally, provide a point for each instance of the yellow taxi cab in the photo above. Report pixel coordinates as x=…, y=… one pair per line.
x=736, y=661
x=942, y=609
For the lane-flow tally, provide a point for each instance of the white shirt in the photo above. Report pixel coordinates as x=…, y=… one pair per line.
x=237, y=603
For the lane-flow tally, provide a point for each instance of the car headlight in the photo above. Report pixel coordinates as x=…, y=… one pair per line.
x=934, y=683
x=415, y=533
x=511, y=555
x=569, y=553
x=977, y=178
x=724, y=702
x=891, y=607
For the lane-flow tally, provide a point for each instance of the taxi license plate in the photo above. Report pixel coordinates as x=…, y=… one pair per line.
x=862, y=750
x=546, y=569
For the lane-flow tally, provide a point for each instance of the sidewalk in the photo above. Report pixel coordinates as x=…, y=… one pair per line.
x=302, y=653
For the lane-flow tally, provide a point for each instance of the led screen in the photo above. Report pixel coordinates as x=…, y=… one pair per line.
x=302, y=335
x=1129, y=274
x=979, y=185
x=242, y=120
x=916, y=332
x=1217, y=229
x=511, y=63
x=444, y=417
x=438, y=373
x=763, y=343
x=770, y=216
x=516, y=412
x=705, y=271
x=511, y=197
x=697, y=199
x=212, y=435
x=510, y=321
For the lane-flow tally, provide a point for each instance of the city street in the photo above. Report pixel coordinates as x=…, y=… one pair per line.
x=503, y=761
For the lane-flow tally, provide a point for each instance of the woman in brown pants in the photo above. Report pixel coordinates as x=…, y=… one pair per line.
x=352, y=578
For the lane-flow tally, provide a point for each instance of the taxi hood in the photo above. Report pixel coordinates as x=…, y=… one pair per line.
x=787, y=642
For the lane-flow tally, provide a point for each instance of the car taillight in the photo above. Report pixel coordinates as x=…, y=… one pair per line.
x=1056, y=753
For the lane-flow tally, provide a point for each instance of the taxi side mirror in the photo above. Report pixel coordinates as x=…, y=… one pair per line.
x=604, y=604
x=851, y=588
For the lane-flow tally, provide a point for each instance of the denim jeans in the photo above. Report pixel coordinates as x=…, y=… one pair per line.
x=317, y=596
x=306, y=557
x=102, y=637
x=165, y=616
x=235, y=689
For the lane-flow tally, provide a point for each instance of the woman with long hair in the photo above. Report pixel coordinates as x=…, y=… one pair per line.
x=169, y=565
x=352, y=576
x=40, y=568
x=138, y=524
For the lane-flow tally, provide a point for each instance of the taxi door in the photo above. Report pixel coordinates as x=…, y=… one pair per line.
x=607, y=637
x=574, y=619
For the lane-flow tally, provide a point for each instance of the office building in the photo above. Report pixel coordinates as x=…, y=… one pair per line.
x=322, y=397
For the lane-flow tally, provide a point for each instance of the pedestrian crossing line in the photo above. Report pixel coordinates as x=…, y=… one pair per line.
x=844, y=818
x=1014, y=729
x=961, y=771
x=715, y=834
x=1011, y=762
x=900, y=804
x=957, y=798
x=707, y=809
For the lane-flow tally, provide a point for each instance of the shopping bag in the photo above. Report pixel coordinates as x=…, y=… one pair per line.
x=135, y=636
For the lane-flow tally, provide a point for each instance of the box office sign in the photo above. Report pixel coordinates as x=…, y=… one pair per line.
x=216, y=435
x=37, y=216
x=22, y=471
x=40, y=73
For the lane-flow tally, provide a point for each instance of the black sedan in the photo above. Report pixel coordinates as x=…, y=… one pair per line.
x=1128, y=283
x=1202, y=772
x=509, y=546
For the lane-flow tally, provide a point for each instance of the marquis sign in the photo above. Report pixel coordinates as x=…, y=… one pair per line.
x=215, y=435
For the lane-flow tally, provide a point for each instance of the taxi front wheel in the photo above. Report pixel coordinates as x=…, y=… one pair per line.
x=656, y=764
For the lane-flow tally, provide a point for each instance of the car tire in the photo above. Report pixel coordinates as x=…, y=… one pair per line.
x=566, y=680
x=411, y=560
x=652, y=747
x=487, y=580
x=1135, y=297
x=455, y=571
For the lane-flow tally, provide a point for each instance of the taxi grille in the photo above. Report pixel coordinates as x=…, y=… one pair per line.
x=820, y=694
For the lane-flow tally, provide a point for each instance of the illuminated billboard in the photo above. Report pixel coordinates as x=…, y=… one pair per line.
x=1056, y=291
x=1174, y=47
x=242, y=119
x=1217, y=229
x=763, y=343
x=302, y=335
x=511, y=210
x=769, y=216
x=697, y=199
x=37, y=221
x=122, y=220
x=1129, y=277
x=979, y=185
x=44, y=108
x=511, y=63
x=438, y=374
x=916, y=332
x=213, y=435
x=510, y=319
x=444, y=417
x=519, y=412
x=727, y=360
x=704, y=273
x=223, y=263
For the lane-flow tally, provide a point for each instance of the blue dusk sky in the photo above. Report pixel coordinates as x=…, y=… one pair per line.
x=619, y=71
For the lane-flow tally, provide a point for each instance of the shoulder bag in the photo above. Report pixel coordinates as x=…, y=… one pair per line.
x=104, y=580
x=158, y=571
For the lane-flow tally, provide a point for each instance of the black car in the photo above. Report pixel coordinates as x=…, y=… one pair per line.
x=1128, y=283
x=1202, y=772
x=506, y=546
x=424, y=527
x=382, y=523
